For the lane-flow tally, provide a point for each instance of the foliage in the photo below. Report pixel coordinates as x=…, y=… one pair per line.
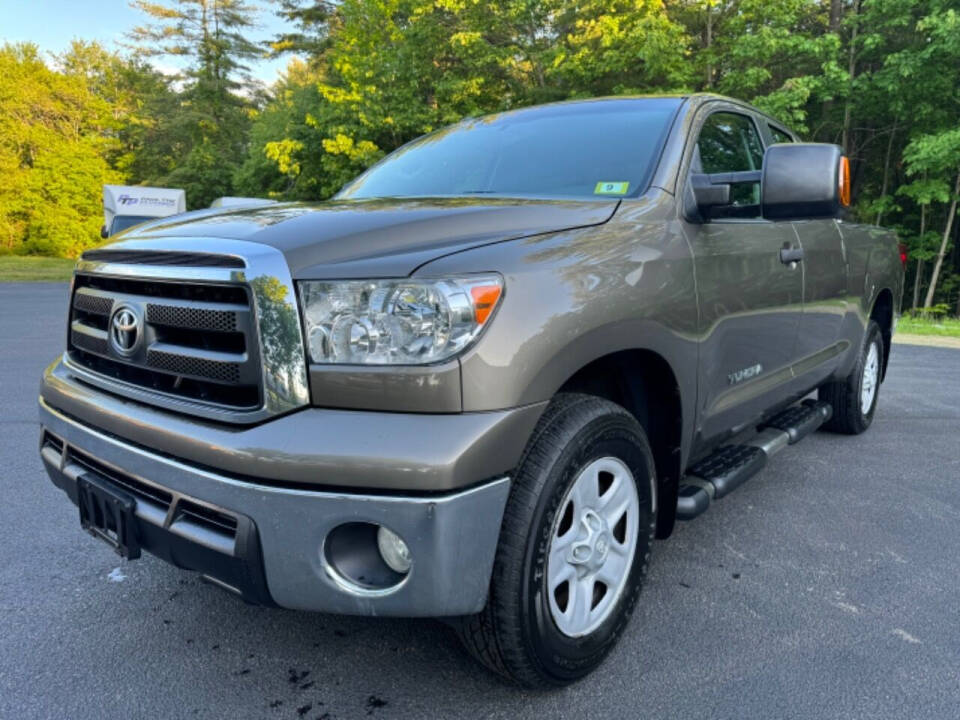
x=207, y=133
x=309, y=34
x=141, y=105
x=53, y=156
x=286, y=146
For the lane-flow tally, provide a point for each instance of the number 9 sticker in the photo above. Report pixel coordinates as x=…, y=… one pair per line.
x=611, y=188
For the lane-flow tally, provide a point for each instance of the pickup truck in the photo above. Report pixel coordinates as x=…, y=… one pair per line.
x=480, y=381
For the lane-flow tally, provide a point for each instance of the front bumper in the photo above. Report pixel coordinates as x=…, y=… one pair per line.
x=318, y=447
x=267, y=542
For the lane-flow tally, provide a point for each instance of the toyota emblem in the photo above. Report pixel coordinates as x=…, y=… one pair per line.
x=125, y=330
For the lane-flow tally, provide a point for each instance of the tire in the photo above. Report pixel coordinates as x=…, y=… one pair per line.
x=852, y=412
x=581, y=442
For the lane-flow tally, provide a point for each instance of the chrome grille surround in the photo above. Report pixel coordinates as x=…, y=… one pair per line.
x=274, y=348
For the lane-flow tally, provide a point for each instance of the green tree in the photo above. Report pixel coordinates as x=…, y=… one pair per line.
x=286, y=145
x=913, y=87
x=938, y=154
x=53, y=149
x=141, y=104
x=923, y=244
x=208, y=132
x=613, y=47
x=313, y=22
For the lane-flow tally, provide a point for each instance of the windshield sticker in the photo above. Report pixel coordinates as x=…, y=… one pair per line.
x=611, y=188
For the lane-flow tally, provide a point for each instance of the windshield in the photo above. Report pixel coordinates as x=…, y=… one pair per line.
x=122, y=222
x=584, y=149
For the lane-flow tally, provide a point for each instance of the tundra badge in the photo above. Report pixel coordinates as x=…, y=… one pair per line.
x=746, y=373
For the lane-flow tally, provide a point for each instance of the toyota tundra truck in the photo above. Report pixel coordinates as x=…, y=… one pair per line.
x=483, y=378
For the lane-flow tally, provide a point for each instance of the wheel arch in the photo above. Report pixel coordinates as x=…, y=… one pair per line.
x=882, y=313
x=643, y=382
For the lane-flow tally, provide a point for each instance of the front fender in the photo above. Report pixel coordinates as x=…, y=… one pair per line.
x=573, y=297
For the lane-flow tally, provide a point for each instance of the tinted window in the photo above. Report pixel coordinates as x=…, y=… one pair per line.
x=586, y=149
x=730, y=143
x=779, y=136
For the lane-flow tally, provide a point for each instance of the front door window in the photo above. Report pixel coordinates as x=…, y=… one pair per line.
x=729, y=142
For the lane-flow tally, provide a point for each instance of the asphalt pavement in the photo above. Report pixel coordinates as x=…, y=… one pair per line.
x=827, y=587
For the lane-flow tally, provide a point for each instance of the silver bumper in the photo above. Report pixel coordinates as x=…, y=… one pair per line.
x=452, y=537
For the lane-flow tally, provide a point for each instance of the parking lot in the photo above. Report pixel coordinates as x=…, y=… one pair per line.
x=827, y=587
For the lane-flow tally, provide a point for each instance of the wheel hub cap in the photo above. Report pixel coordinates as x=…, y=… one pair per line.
x=590, y=549
x=592, y=545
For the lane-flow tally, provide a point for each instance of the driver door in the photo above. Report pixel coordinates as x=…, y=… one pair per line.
x=750, y=301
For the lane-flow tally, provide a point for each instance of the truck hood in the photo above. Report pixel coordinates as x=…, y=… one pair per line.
x=378, y=238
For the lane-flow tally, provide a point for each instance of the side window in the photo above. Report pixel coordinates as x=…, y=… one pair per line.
x=729, y=142
x=779, y=136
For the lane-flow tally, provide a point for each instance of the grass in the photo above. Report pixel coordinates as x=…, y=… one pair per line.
x=944, y=327
x=16, y=268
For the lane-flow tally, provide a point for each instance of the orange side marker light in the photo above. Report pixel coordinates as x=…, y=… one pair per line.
x=485, y=299
x=844, y=183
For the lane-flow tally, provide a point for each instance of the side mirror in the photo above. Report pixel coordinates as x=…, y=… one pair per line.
x=103, y=232
x=804, y=180
x=709, y=194
x=714, y=190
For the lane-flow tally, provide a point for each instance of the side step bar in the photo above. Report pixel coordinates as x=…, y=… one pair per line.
x=730, y=466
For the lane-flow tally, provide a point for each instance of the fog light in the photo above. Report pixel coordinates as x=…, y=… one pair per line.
x=394, y=551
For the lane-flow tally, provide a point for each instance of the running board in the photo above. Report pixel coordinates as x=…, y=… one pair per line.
x=730, y=466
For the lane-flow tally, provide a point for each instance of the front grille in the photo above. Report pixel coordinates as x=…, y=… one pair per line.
x=194, y=341
x=216, y=370
x=89, y=343
x=95, y=304
x=188, y=317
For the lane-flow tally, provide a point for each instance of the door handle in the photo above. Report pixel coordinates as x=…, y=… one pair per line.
x=791, y=255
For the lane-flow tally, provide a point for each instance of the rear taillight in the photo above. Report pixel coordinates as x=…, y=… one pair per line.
x=903, y=254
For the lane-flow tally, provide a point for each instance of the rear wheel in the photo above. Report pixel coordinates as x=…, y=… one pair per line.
x=854, y=399
x=574, y=546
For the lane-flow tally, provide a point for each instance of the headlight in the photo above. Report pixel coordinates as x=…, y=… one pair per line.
x=396, y=322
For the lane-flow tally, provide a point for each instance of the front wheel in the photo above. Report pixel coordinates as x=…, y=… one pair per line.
x=854, y=399
x=574, y=546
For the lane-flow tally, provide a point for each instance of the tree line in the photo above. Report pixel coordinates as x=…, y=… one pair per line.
x=879, y=77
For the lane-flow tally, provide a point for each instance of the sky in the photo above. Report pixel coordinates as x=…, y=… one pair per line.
x=52, y=24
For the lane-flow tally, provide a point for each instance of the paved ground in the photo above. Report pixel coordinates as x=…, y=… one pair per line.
x=827, y=587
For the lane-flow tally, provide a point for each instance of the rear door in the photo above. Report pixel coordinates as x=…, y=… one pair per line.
x=824, y=295
x=824, y=269
x=750, y=301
